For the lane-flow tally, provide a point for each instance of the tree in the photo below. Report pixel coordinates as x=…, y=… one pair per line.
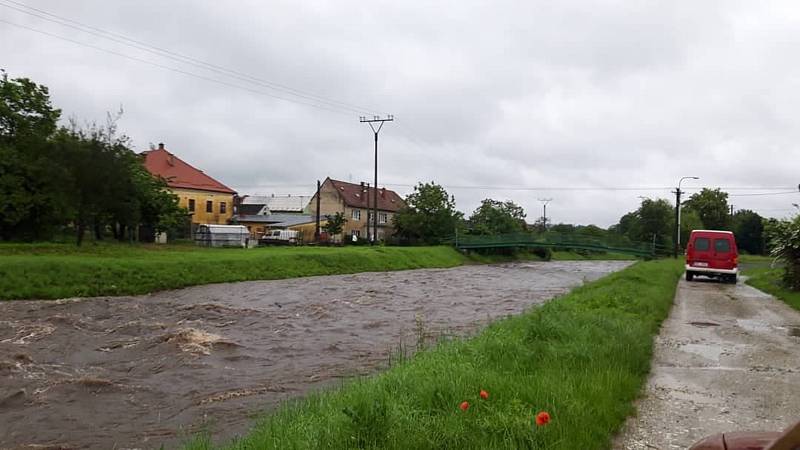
x=712, y=207
x=653, y=220
x=31, y=201
x=748, y=227
x=496, y=217
x=334, y=223
x=430, y=215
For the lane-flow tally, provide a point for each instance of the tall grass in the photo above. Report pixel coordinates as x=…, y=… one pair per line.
x=770, y=280
x=583, y=358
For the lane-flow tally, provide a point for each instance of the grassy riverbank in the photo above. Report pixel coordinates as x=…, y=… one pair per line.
x=583, y=358
x=49, y=271
x=58, y=271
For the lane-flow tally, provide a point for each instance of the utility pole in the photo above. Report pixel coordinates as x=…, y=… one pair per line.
x=544, y=201
x=316, y=229
x=371, y=122
x=678, y=214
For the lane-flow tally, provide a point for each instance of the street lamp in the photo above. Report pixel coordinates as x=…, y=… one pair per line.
x=678, y=214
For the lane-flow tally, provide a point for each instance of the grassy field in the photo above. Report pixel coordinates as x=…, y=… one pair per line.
x=764, y=276
x=582, y=358
x=50, y=271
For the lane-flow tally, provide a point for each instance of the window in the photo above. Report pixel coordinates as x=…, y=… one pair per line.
x=356, y=214
x=702, y=244
x=722, y=245
x=223, y=207
x=383, y=217
x=356, y=233
x=191, y=205
x=209, y=206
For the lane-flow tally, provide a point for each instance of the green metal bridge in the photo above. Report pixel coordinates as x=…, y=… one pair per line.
x=558, y=241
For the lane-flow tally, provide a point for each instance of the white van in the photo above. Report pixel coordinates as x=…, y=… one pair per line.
x=282, y=236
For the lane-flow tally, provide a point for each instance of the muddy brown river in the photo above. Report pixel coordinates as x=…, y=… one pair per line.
x=146, y=371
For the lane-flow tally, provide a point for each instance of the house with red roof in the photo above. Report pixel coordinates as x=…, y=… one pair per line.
x=207, y=200
x=355, y=201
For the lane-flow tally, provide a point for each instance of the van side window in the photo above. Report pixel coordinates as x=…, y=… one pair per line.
x=722, y=245
x=702, y=244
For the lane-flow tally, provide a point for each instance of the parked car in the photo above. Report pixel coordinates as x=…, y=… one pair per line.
x=712, y=253
x=281, y=237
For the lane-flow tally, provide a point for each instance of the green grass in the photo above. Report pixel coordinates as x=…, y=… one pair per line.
x=57, y=271
x=583, y=358
x=50, y=271
x=769, y=279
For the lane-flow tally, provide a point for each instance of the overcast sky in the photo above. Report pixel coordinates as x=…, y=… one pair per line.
x=486, y=95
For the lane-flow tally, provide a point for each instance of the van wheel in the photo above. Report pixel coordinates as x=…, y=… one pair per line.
x=689, y=276
x=732, y=279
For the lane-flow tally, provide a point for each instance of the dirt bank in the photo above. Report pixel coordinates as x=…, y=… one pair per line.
x=138, y=372
x=727, y=359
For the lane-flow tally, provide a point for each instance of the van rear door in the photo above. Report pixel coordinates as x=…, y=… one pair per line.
x=701, y=252
x=723, y=255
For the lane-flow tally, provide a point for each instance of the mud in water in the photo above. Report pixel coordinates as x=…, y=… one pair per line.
x=139, y=372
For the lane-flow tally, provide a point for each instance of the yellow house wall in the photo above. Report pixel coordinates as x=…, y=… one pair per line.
x=200, y=216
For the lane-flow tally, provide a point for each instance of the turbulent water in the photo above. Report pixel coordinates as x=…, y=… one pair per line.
x=139, y=372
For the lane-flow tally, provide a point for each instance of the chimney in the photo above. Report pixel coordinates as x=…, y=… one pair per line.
x=161, y=146
x=362, y=186
x=383, y=192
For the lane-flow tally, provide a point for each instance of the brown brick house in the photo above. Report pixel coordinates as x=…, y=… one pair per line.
x=355, y=202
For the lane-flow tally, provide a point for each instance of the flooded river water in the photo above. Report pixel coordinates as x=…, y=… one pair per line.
x=142, y=371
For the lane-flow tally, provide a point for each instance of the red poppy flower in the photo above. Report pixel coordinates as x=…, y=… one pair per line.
x=484, y=394
x=542, y=418
x=464, y=406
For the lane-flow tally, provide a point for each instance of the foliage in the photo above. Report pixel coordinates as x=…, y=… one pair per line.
x=496, y=217
x=770, y=281
x=583, y=358
x=86, y=178
x=335, y=223
x=429, y=216
x=786, y=246
x=712, y=207
x=653, y=218
x=748, y=227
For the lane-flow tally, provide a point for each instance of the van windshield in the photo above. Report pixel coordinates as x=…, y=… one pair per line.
x=722, y=245
x=702, y=244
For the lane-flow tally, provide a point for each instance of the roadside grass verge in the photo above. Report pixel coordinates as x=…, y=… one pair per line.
x=53, y=271
x=582, y=357
x=770, y=281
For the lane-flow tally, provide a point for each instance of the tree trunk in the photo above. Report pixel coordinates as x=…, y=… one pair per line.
x=98, y=231
x=80, y=229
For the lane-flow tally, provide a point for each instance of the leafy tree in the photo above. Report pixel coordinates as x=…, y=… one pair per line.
x=31, y=176
x=653, y=219
x=430, y=215
x=712, y=207
x=496, y=217
x=748, y=227
x=335, y=223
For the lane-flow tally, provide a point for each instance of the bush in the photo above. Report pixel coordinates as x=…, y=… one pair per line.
x=785, y=244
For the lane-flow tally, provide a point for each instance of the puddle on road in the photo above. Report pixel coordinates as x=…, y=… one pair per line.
x=794, y=331
x=703, y=324
x=139, y=372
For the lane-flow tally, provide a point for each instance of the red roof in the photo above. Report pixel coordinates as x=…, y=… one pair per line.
x=355, y=196
x=180, y=174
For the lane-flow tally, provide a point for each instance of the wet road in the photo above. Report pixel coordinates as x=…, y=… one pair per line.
x=139, y=372
x=727, y=359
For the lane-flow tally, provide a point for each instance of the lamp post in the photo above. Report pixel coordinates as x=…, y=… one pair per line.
x=678, y=214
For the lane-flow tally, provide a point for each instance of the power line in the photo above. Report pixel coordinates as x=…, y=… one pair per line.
x=173, y=69
x=175, y=56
